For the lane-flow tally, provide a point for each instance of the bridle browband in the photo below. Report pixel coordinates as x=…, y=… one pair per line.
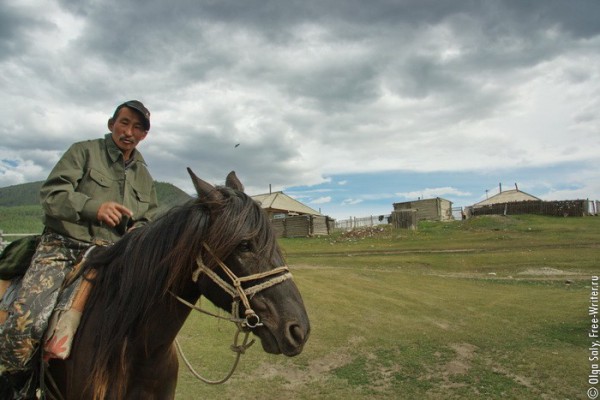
x=238, y=294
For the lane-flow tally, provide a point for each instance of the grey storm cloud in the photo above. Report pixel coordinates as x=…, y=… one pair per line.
x=306, y=88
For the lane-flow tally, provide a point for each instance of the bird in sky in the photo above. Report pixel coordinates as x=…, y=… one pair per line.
x=236, y=145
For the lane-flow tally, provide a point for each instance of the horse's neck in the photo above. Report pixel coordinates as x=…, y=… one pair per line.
x=171, y=314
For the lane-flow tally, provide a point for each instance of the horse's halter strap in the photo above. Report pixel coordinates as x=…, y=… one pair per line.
x=237, y=292
x=235, y=289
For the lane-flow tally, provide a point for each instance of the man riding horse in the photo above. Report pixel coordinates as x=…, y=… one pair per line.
x=97, y=191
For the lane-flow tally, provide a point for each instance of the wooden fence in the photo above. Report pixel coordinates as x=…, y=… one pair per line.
x=354, y=222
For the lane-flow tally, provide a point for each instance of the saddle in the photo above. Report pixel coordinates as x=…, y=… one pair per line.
x=56, y=342
x=64, y=319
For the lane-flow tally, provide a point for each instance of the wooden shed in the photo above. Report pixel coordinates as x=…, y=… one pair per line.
x=292, y=218
x=436, y=209
x=280, y=205
x=302, y=226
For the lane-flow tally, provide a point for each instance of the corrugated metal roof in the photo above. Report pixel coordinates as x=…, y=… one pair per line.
x=281, y=201
x=506, y=196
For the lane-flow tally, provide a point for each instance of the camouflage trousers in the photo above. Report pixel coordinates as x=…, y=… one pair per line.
x=28, y=315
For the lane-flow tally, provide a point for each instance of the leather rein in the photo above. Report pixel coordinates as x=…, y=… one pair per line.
x=238, y=294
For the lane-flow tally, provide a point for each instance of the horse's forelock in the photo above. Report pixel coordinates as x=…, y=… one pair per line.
x=238, y=218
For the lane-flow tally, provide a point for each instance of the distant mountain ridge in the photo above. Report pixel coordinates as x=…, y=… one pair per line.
x=26, y=194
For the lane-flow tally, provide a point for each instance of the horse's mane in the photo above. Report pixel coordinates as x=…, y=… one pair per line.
x=133, y=275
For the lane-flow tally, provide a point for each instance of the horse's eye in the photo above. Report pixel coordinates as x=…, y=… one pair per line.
x=244, y=246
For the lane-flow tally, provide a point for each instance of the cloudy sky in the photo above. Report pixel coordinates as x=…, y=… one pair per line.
x=347, y=105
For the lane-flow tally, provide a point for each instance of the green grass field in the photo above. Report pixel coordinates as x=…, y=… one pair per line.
x=492, y=307
x=21, y=219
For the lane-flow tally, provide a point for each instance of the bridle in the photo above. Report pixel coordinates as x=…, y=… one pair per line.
x=238, y=294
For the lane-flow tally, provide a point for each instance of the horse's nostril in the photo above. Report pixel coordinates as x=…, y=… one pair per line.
x=296, y=334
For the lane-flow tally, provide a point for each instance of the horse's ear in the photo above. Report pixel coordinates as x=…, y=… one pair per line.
x=204, y=189
x=233, y=182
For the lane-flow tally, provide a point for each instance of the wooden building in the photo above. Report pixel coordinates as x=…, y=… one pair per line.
x=291, y=218
x=280, y=205
x=514, y=202
x=436, y=209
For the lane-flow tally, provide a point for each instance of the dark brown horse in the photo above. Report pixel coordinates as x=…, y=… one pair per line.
x=124, y=345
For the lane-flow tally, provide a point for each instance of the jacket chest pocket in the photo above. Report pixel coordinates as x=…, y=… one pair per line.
x=99, y=185
x=142, y=201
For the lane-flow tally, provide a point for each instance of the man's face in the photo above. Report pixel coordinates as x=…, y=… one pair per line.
x=127, y=130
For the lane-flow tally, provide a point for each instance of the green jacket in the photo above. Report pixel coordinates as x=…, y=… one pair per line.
x=89, y=174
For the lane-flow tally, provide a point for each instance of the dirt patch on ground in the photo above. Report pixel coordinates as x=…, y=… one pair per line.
x=318, y=369
x=517, y=378
x=544, y=271
x=462, y=363
x=383, y=376
x=459, y=365
x=530, y=274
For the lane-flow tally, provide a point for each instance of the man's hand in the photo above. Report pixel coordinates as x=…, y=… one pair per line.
x=111, y=213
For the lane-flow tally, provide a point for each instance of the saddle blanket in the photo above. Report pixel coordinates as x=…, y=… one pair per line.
x=64, y=319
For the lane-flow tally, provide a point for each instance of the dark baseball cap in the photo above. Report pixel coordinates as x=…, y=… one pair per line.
x=138, y=106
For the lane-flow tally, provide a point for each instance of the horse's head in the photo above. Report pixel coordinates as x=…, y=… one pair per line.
x=241, y=266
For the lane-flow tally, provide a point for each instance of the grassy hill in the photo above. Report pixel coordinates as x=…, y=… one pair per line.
x=25, y=194
x=20, y=210
x=170, y=195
